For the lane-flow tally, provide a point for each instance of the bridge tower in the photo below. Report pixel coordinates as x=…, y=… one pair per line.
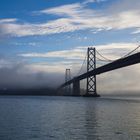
x=91, y=65
x=67, y=78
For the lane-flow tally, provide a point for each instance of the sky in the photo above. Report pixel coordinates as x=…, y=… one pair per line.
x=40, y=39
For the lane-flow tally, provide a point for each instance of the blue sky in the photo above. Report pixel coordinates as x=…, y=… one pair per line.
x=48, y=36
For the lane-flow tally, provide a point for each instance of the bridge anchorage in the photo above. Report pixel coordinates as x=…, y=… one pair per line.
x=92, y=71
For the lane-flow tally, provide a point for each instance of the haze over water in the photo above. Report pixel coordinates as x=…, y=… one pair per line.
x=68, y=118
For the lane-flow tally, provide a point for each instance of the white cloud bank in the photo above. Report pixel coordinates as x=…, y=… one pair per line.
x=112, y=51
x=93, y=1
x=77, y=16
x=66, y=54
x=8, y=20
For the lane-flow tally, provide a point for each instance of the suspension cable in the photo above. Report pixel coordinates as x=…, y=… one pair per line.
x=82, y=65
x=109, y=60
x=101, y=59
x=131, y=51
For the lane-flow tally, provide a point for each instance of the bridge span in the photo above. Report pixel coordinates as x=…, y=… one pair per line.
x=119, y=63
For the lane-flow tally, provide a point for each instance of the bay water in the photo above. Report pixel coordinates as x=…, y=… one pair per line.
x=68, y=118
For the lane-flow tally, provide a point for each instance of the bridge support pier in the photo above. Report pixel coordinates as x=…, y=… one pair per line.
x=76, y=88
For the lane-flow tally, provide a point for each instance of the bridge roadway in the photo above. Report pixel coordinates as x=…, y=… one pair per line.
x=119, y=63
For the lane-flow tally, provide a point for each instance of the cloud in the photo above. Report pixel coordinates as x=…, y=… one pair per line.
x=70, y=10
x=66, y=54
x=93, y=1
x=15, y=78
x=25, y=75
x=57, y=26
x=21, y=74
x=112, y=50
x=137, y=31
x=31, y=44
x=116, y=50
x=77, y=16
x=8, y=20
x=4, y=63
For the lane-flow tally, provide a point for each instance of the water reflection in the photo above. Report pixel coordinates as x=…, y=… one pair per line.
x=91, y=121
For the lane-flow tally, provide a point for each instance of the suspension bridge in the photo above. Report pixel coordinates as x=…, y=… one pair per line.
x=130, y=58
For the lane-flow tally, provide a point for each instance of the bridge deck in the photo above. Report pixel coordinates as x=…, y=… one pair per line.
x=120, y=63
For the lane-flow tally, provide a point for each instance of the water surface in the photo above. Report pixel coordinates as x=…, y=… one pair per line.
x=68, y=118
